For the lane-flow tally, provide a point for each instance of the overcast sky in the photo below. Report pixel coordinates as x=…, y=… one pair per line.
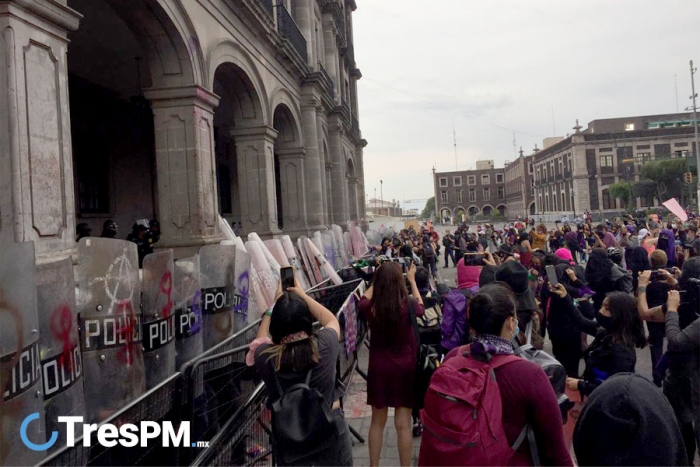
x=495, y=67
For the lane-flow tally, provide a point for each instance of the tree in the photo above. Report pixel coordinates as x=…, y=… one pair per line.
x=496, y=213
x=428, y=209
x=621, y=190
x=645, y=189
x=667, y=175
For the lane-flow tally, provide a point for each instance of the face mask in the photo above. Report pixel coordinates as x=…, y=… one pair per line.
x=674, y=226
x=605, y=321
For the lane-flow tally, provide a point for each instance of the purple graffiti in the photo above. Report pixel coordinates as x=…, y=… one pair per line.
x=243, y=285
x=197, y=311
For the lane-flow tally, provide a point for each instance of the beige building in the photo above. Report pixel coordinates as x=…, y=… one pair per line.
x=520, y=187
x=574, y=174
x=177, y=110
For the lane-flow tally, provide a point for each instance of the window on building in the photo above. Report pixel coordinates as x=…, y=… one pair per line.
x=443, y=181
x=501, y=193
x=606, y=161
x=472, y=195
x=554, y=202
x=457, y=181
x=471, y=180
x=459, y=196
x=529, y=167
x=681, y=144
x=487, y=194
x=605, y=150
x=643, y=146
x=499, y=178
x=607, y=200
x=629, y=126
x=486, y=179
x=443, y=196
x=642, y=157
x=681, y=154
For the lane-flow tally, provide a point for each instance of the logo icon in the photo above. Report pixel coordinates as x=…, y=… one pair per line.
x=28, y=443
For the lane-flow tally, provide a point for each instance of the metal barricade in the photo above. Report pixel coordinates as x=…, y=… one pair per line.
x=227, y=410
x=155, y=405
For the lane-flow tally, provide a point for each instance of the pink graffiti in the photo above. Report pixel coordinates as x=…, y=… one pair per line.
x=126, y=354
x=166, y=286
x=61, y=324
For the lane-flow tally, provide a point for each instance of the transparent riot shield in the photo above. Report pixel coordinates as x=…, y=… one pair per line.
x=110, y=325
x=59, y=347
x=158, y=336
x=241, y=295
x=20, y=366
x=216, y=266
x=188, y=310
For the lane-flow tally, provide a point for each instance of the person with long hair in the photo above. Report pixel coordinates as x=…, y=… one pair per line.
x=604, y=276
x=386, y=306
x=613, y=349
x=290, y=348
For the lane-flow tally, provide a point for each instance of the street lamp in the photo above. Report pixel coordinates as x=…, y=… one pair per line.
x=381, y=192
x=695, y=119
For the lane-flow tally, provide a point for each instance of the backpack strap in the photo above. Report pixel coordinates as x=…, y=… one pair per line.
x=528, y=433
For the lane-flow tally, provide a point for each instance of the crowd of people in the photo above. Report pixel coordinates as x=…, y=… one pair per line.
x=588, y=288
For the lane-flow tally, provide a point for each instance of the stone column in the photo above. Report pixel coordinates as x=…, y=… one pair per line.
x=339, y=187
x=36, y=157
x=256, y=179
x=293, y=179
x=322, y=162
x=186, y=169
x=360, y=173
x=313, y=184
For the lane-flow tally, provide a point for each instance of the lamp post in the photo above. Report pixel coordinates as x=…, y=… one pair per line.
x=375, y=202
x=695, y=118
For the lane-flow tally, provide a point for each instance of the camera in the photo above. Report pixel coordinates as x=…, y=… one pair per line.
x=657, y=275
x=474, y=259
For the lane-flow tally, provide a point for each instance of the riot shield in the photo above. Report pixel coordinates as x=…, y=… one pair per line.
x=109, y=301
x=158, y=336
x=188, y=314
x=20, y=366
x=59, y=347
x=241, y=295
x=216, y=265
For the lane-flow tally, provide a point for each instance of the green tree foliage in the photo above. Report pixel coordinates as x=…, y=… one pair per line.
x=644, y=189
x=621, y=190
x=429, y=209
x=667, y=175
x=496, y=213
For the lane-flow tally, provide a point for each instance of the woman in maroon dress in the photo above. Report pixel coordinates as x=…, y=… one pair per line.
x=392, y=356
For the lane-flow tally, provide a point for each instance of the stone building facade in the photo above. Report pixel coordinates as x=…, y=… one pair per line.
x=469, y=193
x=177, y=110
x=520, y=187
x=574, y=174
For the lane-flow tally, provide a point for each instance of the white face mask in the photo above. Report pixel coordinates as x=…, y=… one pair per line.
x=674, y=226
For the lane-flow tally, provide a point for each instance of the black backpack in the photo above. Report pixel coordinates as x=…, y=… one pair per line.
x=302, y=421
x=428, y=251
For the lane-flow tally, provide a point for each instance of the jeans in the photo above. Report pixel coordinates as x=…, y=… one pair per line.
x=430, y=264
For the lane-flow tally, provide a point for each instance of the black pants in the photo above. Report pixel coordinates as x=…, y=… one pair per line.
x=339, y=454
x=450, y=253
x=657, y=331
x=567, y=349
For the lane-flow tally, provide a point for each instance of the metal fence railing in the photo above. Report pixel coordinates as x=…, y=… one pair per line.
x=222, y=398
x=289, y=30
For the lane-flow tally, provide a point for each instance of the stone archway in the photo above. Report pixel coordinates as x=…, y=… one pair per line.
x=487, y=210
x=121, y=59
x=446, y=215
x=289, y=170
x=244, y=152
x=503, y=209
x=532, y=209
x=473, y=211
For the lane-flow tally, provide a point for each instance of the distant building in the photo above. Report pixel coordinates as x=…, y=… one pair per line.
x=574, y=174
x=520, y=186
x=383, y=208
x=469, y=193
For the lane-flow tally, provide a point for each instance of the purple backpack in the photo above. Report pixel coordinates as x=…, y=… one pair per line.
x=455, y=325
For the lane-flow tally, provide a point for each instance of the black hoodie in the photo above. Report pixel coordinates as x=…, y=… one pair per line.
x=628, y=421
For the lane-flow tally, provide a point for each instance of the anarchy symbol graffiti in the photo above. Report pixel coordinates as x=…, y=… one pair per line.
x=118, y=281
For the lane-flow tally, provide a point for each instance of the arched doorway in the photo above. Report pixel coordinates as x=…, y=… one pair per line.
x=487, y=210
x=446, y=216
x=473, y=211
x=503, y=210
x=119, y=52
x=288, y=189
x=239, y=112
x=532, y=209
x=460, y=214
